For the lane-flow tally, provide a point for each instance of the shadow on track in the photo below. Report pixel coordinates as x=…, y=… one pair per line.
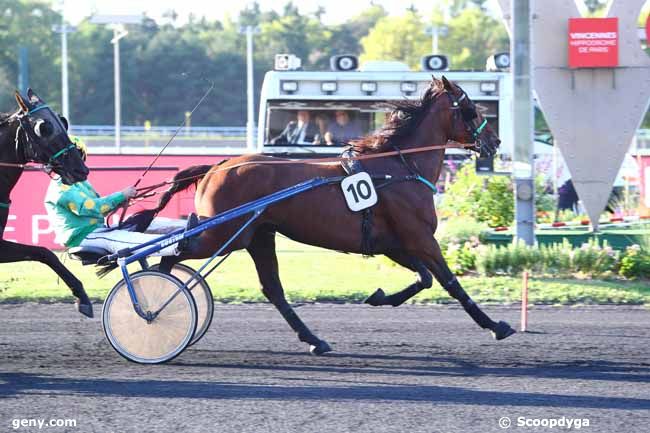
x=404, y=365
x=19, y=383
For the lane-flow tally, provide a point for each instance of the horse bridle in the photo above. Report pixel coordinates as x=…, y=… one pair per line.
x=469, y=116
x=31, y=148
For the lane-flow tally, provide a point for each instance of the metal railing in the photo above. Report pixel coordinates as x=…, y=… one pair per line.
x=192, y=131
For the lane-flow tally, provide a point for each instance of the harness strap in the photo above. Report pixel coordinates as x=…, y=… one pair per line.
x=5, y=205
x=427, y=183
x=478, y=130
x=40, y=107
x=406, y=164
x=62, y=152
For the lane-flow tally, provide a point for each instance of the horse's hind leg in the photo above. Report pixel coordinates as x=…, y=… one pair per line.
x=262, y=250
x=14, y=252
x=438, y=266
x=396, y=299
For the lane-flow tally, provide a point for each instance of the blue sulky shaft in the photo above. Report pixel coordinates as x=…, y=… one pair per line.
x=136, y=253
x=130, y=255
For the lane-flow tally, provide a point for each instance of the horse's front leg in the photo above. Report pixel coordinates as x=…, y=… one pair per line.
x=424, y=281
x=13, y=252
x=262, y=250
x=435, y=261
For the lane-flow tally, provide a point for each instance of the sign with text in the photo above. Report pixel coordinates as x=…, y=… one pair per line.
x=593, y=42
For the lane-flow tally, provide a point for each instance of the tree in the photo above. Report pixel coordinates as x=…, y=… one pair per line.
x=302, y=35
x=28, y=23
x=396, y=38
x=346, y=37
x=473, y=36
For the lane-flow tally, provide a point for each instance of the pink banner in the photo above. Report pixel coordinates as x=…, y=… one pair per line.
x=28, y=222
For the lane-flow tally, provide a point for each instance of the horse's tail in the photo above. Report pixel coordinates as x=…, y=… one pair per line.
x=141, y=220
x=183, y=180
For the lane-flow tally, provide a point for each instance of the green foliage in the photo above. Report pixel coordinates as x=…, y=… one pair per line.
x=590, y=260
x=473, y=36
x=635, y=263
x=485, y=199
x=155, y=55
x=28, y=23
x=396, y=38
x=461, y=258
x=459, y=229
x=489, y=199
x=315, y=275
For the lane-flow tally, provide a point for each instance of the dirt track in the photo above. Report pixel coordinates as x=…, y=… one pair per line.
x=414, y=368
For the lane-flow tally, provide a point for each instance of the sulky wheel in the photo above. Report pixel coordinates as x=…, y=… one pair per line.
x=202, y=297
x=150, y=341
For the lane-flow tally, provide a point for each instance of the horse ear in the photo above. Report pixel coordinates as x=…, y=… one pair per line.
x=21, y=102
x=447, y=84
x=33, y=97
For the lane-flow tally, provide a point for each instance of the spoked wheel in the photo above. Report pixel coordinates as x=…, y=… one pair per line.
x=157, y=340
x=202, y=297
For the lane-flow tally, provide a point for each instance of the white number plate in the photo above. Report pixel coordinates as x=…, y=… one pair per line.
x=359, y=191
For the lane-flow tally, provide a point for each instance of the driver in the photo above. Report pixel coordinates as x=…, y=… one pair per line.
x=77, y=214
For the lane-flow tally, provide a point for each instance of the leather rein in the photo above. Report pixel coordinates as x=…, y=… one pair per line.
x=148, y=191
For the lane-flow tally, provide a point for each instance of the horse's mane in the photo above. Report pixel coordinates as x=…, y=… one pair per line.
x=405, y=117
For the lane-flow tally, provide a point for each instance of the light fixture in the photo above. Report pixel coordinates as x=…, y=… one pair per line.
x=408, y=87
x=488, y=87
x=289, y=86
x=435, y=63
x=368, y=87
x=328, y=87
x=498, y=62
x=344, y=63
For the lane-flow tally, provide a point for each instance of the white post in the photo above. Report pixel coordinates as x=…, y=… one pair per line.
x=64, y=29
x=523, y=121
x=118, y=33
x=116, y=74
x=250, y=122
x=64, y=71
x=434, y=40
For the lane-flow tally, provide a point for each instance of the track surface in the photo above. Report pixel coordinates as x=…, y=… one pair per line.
x=408, y=369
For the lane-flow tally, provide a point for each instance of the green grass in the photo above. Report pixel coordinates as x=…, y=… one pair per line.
x=312, y=274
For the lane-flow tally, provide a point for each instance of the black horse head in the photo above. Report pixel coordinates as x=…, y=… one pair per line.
x=42, y=137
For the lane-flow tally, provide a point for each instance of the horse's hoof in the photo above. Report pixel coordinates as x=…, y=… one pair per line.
x=502, y=330
x=320, y=348
x=376, y=299
x=85, y=308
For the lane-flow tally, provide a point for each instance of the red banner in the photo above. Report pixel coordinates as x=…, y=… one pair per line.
x=593, y=42
x=28, y=222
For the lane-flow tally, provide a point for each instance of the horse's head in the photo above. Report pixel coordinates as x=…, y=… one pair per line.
x=466, y=124
x=42, y=137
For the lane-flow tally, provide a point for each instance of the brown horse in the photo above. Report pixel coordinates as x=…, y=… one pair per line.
x=403, y=220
